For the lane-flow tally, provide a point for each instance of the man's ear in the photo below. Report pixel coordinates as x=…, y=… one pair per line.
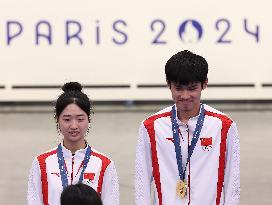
x=168, y=84
x=205, y=84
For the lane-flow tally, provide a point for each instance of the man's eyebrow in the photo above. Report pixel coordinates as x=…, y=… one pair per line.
x=193, y=84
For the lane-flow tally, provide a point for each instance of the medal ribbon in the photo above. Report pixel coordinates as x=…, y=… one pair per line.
x=175, y=130
x=62, y=168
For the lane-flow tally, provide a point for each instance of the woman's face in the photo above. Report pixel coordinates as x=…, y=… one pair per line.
x=73, y=123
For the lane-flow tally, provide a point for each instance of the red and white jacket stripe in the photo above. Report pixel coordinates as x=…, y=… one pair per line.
x=212, y=174
x=45, y=186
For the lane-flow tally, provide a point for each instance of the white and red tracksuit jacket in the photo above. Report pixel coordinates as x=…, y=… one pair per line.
x=213, y=173
x=45, y=186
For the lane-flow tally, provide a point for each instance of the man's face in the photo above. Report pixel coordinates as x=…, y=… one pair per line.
x=187, y=97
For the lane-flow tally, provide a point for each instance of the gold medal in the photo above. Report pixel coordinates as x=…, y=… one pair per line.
x=181, y=188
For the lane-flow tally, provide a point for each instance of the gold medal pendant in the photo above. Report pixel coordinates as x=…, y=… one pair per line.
x=181, y=188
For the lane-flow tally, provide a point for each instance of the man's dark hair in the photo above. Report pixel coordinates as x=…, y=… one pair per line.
x=80, y=194
x=186, y=67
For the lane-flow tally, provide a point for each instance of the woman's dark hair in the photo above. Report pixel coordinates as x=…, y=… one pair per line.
x=80, y=194
x=186, y=67
x=72, y=95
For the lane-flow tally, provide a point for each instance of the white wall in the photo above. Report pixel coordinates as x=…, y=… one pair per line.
x=125, y=56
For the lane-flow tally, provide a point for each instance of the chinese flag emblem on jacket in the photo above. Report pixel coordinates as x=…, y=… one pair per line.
x=206, y=143
x=89, y=176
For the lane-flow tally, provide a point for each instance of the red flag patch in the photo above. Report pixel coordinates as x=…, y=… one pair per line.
x=207, y=141
x=89, y=176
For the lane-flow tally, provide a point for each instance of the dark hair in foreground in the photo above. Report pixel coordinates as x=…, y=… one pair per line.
x=186, y=67
x=72, y=95
x=80, y=194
